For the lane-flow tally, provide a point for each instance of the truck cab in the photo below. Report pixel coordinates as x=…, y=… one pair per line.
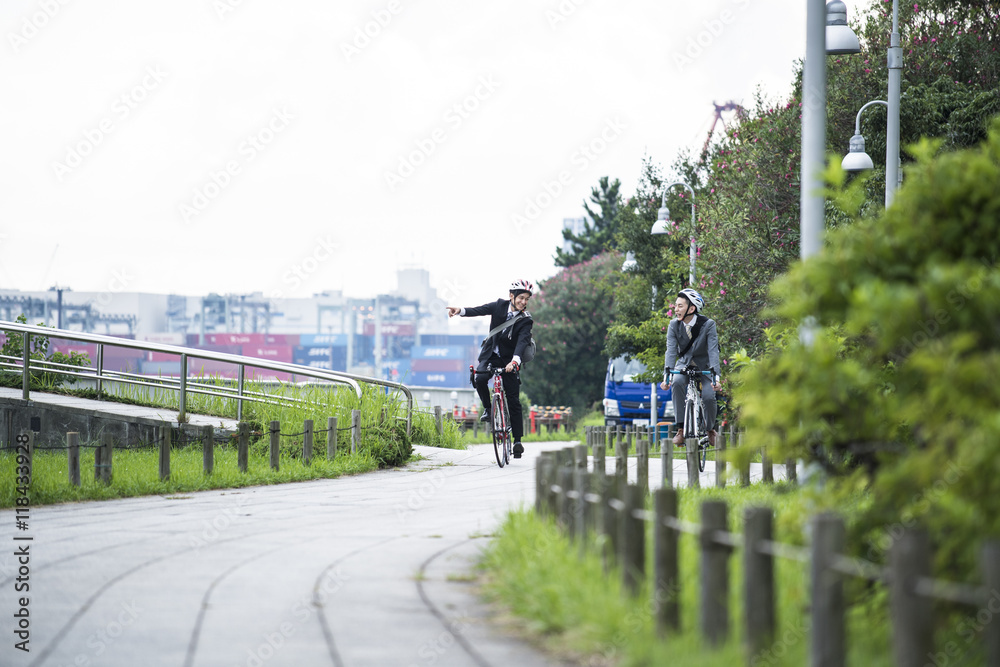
x=627, y=401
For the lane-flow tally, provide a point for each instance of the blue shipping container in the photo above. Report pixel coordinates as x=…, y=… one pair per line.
x=309, y=340
x=435, y=379
x=438, y=352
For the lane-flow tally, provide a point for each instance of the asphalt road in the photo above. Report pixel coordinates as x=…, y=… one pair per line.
x=366, y=570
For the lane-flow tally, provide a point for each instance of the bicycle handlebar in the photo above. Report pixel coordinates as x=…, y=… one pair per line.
x=690, y=372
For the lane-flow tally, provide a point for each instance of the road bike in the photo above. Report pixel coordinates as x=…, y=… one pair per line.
x=695, y=424
x=499, y=416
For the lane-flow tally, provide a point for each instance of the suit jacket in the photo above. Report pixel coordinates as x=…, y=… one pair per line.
x=704, y=353
x=512, y=340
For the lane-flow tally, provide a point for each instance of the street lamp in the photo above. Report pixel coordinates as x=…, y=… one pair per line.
x=630, y=262
x=663, y=218
x=857, y=159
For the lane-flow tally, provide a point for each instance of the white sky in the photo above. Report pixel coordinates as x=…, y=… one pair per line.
x=200, y=77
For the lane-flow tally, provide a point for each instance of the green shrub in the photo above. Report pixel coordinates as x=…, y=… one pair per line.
x=898, y=393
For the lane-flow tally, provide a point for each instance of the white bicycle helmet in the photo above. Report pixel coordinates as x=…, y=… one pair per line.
x=693, y=297
x=521, y=285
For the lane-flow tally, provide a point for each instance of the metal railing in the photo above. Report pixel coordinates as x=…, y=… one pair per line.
x=182, y=384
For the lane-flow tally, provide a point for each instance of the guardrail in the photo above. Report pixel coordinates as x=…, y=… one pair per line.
x=181, y=383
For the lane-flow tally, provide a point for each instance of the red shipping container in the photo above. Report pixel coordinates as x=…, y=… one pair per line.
x=281, y=353
x=438, y=365
x=235, y=339
x=281, y=339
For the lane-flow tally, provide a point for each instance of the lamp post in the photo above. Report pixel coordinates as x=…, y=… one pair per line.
x=857, y=159
x=895, y=62
x=663, y=217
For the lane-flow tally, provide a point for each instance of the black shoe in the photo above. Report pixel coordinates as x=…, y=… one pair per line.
x=485, y=417
x=518, y=450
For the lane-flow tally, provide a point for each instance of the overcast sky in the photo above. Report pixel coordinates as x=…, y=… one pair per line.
x=292, y=147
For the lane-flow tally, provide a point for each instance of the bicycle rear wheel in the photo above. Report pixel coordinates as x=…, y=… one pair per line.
x=690, y=426
x=702, y=453
x=498, y=411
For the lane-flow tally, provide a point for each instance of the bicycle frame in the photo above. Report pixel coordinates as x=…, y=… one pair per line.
x=499, y=416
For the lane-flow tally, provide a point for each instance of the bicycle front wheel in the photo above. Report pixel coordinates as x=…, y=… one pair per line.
x=498, y=412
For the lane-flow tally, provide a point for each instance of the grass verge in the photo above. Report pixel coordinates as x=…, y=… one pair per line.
x=136, y=473
x=572, y=607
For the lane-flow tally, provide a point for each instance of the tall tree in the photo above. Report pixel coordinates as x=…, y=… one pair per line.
x=571, y=312
x=599, y=228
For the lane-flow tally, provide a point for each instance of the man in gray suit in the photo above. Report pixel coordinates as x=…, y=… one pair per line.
x=702, y=352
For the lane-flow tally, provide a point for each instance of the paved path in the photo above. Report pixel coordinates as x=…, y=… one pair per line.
x=365, y=570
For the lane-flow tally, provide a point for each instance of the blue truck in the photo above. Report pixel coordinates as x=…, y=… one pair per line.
x=627, y=401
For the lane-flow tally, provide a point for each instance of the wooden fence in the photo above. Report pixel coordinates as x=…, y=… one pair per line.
x=104, y=452
x=589, y=502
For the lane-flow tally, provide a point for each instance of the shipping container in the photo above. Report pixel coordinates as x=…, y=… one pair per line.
x=464, y=340
x=164, y=368
x=439, y=365
x=166, y=338
x=282, y=339
x=235, y=339
x=434, y=339
x=438, y=352
x=436, y=379
x=224, y=349
x=309, y=340
x=281, y=353
x=390, y=328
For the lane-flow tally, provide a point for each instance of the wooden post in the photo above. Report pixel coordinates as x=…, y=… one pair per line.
x=475, y=427
x=621, y=463
x=990, y=565
x=106, y=457
x=599, y=464
x=667, y=463
x=629, y=432
x=758, y=581
x=275, y=444
x=609, y=492
x=791, y=474
x=912, y=614
x=580, y=457
x=331, y=438
x=694, y=477
x=243, y=447
x=827, y=648
x=208, y=448
x=551, y=497
x=666, y=588
x=586, y=510
x=609, y=436
x=539, y=485
x=714, y=574
x=767, y=467
x=633, y=541
x=642, y=466
x=619, y=437
x=307, y=441
x=73, y=447
x=98, y=454
x=745, y=466
x=437, y=420
x=355, y=430
x=720, y=458
x=564, y=478
x=166, y=432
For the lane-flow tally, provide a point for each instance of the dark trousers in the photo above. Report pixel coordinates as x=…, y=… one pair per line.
x=512, y=390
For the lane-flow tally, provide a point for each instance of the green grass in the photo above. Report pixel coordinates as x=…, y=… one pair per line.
x=136, y=473
x=574, y=609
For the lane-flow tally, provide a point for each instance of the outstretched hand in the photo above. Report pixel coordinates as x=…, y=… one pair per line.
x=452, y=311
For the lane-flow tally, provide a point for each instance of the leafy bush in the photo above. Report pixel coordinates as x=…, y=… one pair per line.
x=38, y=379
x=898, y=392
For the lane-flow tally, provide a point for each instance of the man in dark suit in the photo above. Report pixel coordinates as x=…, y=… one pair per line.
x=703, y=353
x=504, y=351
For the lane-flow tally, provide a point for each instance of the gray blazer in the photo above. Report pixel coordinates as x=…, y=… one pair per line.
x=704, y=353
